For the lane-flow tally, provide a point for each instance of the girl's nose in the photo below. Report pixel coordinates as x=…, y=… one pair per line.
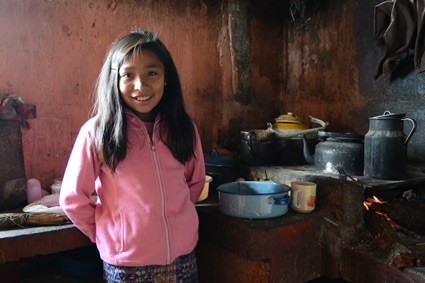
x=138, y=83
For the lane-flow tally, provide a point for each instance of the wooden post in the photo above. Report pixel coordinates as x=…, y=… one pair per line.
x=12, y=169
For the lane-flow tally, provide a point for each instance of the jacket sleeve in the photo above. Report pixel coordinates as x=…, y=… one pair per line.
x=79, y=183
x=195, y=170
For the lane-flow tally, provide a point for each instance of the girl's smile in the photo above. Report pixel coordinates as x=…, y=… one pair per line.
x=141, y=83
x=143, y=98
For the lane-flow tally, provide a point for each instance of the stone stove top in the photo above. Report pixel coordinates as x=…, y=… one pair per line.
x=343, y=246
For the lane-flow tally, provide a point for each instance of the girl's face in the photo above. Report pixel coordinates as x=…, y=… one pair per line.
x=141, y=83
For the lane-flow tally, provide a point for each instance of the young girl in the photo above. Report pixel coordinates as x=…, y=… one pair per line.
x=142, y=155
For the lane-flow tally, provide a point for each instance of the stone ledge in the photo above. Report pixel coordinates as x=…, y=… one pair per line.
x=23, y=243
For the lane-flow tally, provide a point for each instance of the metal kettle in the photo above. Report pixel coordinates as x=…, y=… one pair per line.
x=385, y=145
x=336, y=153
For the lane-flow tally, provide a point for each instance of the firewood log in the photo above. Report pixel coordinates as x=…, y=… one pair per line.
x=381, y=230
x=387, y=241
x=409, y=215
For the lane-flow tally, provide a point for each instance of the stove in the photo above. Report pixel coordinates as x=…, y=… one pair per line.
x=384, y=243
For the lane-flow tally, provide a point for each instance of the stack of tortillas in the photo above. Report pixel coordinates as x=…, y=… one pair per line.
x=43, y=212
x=47, y=204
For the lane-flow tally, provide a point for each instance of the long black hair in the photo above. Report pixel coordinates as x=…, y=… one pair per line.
x=109, y=108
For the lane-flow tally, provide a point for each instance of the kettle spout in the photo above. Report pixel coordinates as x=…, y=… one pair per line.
x=306, y=151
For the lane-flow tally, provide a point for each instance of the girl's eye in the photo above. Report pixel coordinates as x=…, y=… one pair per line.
x=152, y=73
x=127, y=75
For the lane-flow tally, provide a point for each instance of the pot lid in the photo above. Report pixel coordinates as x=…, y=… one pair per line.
x=388, y=115
x=289, y=118
x=289, y=122
x=336, y=135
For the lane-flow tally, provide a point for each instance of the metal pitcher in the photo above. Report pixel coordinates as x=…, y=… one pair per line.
x=385, y=146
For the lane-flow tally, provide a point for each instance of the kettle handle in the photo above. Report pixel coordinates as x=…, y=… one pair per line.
x=412, y=131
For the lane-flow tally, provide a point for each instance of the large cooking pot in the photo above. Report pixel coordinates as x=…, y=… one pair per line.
x=289, y=130
x=257, y=147
x=337, y=153
x=289, y=151
x=253, y=199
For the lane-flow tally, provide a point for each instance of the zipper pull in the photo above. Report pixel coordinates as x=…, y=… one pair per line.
x=152, y=145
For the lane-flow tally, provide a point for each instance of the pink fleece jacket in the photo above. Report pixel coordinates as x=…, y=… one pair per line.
x=145, y=211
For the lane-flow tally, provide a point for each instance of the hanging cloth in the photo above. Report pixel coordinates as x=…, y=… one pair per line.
x=400, y=26
x=420, y=40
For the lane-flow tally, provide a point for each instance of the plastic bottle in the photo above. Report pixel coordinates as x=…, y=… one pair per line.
x=33, y=190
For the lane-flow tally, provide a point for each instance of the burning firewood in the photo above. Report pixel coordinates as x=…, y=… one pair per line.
x=386, y=240
x=409, y=215
x=384, y=229
x=405, y=260
x=381, y=229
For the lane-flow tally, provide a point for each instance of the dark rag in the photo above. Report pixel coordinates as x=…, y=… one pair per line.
x=400, y=26
x=13, y=108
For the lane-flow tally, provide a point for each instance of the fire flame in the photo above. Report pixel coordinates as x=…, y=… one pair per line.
x=369, y=201
x=392, y=223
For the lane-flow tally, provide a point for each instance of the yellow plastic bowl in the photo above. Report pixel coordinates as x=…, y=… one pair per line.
x=204, y=193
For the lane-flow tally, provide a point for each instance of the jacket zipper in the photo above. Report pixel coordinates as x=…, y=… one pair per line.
x=161, y=190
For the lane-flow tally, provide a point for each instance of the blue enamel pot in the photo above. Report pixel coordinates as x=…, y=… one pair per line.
x=253, y=199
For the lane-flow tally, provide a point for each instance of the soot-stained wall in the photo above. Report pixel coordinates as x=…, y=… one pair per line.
x=241, y=64
x=51, y=52
x=329, y=72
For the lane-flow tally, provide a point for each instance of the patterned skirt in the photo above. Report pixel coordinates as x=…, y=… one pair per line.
x=183, y=270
